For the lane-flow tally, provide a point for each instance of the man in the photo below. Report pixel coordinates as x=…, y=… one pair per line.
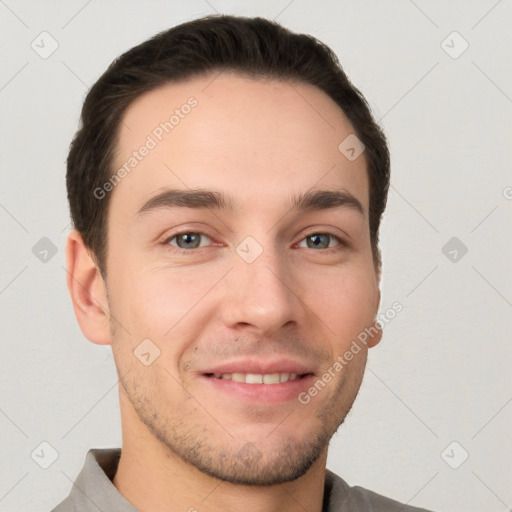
x=226, y=188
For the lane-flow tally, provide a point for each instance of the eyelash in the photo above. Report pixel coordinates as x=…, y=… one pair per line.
x=177, y=250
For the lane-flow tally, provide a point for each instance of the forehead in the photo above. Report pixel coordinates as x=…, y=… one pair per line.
x=260, y=140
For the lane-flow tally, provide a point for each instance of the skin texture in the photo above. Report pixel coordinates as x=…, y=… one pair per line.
x=184, y=443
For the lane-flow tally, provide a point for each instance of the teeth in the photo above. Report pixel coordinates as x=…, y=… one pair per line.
x=253, y=378
x=257, y=378
x=271, y=378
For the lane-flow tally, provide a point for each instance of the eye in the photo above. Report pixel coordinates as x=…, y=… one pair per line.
x=321, y=240
x=186, y=241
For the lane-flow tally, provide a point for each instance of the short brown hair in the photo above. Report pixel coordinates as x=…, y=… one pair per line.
x=255, y=47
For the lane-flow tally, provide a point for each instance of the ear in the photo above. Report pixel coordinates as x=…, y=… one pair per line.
x=375, y=329
x=88, y=291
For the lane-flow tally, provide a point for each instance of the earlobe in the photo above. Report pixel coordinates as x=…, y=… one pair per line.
x=87, y=290
x=375, y=334
x=376, y=328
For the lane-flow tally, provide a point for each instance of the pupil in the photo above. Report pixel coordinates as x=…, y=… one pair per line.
x=188, y=237
x=316, y=238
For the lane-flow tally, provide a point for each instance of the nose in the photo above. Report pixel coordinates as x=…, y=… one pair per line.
x=263, y=296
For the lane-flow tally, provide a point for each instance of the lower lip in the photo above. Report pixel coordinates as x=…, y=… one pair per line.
x=264, y=394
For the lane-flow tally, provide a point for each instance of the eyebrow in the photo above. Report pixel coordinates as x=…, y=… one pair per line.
x=201, y=198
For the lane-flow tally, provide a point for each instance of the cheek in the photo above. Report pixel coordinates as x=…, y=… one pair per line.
x=345, y=302
x=162, y=301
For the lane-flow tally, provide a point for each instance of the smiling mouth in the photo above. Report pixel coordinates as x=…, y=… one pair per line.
x=258, y=378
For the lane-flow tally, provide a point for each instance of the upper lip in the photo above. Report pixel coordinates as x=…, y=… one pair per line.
x=259, y=366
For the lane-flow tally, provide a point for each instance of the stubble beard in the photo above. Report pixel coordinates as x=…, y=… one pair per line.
x=198, y=440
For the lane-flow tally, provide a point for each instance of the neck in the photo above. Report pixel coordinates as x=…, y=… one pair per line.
x=151, y=477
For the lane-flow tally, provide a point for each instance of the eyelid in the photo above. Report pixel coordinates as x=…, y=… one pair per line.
x=193, y=227
x=324, y=230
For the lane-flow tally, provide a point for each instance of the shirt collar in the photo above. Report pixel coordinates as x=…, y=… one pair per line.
x=93, y=489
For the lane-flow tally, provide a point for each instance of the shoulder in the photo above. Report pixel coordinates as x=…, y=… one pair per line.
x=67, y=505
x=339, y=496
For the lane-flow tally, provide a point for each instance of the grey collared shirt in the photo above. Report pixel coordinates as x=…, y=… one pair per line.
x=93, y=491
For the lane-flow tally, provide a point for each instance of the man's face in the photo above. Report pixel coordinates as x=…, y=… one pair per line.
x=264, y=288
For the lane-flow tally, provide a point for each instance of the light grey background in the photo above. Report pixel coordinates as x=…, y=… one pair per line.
x=441, y=373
